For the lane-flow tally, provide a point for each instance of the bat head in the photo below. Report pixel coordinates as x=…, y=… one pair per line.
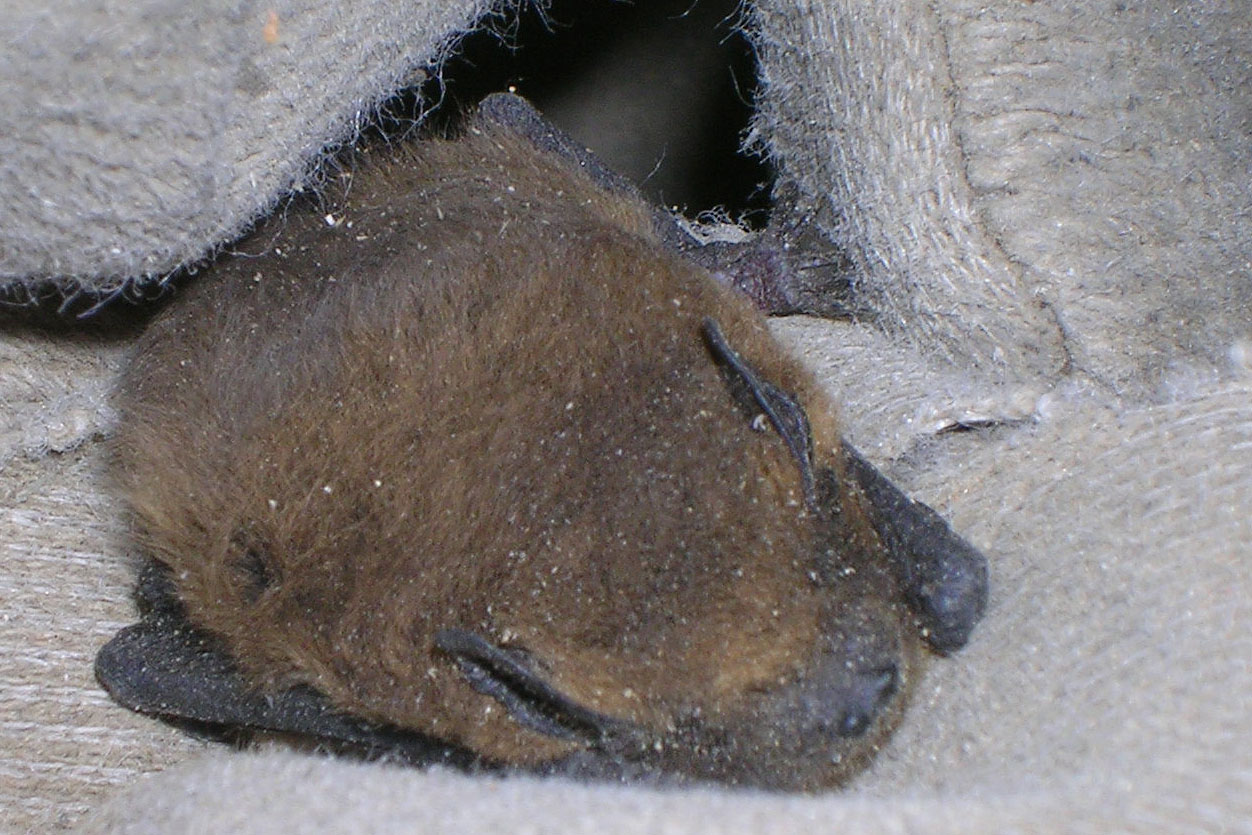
x=741, y=623
x=520, y=481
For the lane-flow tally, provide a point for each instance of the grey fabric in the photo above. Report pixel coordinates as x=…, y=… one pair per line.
x=64, y=579
x=137, y=136
x=1029, y=187
x=1049, y=202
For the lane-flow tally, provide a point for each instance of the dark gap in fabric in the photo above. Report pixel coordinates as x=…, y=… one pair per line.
x=660, y=90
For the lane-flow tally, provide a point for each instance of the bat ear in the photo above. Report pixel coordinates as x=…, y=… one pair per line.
x=944, y=576
x=756, y=396
x=508, y=676
x=165, y=666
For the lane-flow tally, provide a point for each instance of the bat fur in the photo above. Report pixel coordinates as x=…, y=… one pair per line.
x=454, y=450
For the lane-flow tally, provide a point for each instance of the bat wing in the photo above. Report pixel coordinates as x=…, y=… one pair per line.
x=518, y=115
x=166, y=667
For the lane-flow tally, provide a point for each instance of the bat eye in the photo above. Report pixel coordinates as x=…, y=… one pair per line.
x=762, y=402
x=253, y=566
x=508, y=676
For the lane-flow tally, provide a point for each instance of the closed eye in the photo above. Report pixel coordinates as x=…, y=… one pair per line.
x=757, y=396
x=506, y=676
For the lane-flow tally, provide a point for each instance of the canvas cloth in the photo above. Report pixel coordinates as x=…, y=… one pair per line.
x=1049, y=204
x=138, y=136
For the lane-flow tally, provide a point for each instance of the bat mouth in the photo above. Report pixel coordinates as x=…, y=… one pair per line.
x=508, y=676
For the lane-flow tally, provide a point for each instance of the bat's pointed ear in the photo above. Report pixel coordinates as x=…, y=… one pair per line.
x=757, y=396
x=944, y=577
x=509, y=677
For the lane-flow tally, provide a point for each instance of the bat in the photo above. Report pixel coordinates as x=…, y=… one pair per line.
x=474, y=462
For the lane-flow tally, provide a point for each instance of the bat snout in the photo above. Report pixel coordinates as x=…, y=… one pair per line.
x=850, y=685
x=813, y=731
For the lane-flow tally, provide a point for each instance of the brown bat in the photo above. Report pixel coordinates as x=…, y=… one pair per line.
x=472, y=467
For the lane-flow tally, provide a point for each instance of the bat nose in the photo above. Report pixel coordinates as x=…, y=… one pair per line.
x=843, y=693
x=858, y=702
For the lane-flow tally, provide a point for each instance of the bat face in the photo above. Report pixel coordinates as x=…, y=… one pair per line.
x=472, y=463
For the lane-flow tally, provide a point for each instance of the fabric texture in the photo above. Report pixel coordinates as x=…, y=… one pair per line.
x=1029, y=188
x=1048, y=203
x=138, y=137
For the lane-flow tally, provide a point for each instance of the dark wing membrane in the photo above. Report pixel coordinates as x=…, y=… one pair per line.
x=164, y=666
x=519, y=116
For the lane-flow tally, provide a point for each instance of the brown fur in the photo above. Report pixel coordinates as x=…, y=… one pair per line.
x=482, y=400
